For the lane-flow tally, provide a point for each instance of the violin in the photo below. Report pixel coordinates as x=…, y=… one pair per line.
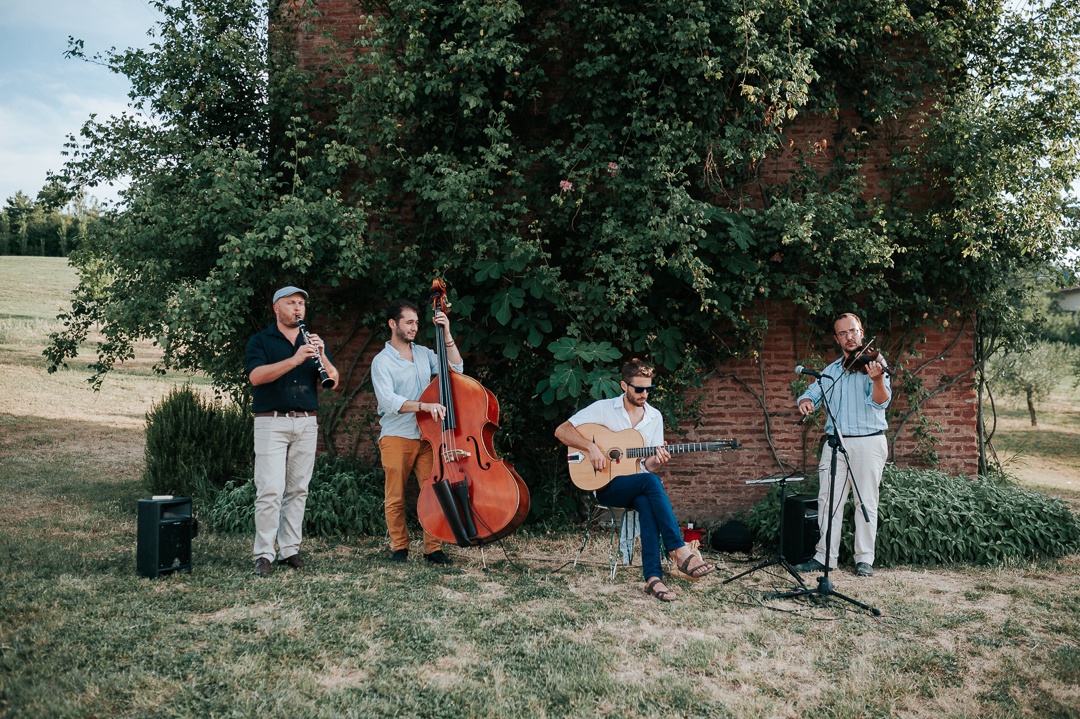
x=861, y=357
x=472, y=496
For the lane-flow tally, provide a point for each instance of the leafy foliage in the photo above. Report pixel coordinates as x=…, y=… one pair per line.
x=344, y=500
x=216, y=215
x=196, y=446
x=601, y=181
x=926, y=517
x=595, y=180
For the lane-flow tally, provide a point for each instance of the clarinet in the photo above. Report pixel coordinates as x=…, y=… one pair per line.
x=325, y=379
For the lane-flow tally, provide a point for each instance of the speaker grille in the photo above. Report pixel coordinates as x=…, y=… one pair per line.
x=164, y=539
x=800, y=527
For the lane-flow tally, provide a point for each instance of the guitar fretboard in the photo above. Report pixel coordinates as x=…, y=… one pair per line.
x=681, y=448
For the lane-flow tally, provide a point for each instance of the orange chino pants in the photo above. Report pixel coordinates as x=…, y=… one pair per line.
x=402, y=457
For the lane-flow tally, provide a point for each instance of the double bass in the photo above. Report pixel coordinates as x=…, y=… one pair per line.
x=472, y=496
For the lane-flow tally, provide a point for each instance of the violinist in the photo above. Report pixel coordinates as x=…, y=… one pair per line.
x=399, y=374
x=642, y=491
x=857, y=390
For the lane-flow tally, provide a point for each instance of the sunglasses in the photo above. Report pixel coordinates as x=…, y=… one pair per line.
x=651, y=389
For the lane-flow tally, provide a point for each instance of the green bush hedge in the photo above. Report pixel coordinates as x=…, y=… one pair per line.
x=195, y=446
x=927, y=517
x=345, y=498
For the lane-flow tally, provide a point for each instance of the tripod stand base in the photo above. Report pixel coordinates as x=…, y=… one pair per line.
x=824, y=589
x=778, y=559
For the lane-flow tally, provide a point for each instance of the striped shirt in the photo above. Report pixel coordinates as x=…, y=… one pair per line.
x=850, y=399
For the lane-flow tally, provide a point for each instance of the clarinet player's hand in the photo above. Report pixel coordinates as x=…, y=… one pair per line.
x=318, y=343
x=305, y=352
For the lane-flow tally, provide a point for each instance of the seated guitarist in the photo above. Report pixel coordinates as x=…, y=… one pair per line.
x=642, y=491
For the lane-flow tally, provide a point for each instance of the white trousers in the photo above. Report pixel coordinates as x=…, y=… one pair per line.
x=284, y=461
x=866, y=456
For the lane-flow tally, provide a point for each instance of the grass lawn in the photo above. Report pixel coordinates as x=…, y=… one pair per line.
x=81, y=635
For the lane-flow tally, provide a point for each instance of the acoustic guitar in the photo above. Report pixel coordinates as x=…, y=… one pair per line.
x=622, y=450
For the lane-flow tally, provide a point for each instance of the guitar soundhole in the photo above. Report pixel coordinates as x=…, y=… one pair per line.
x=615, y=455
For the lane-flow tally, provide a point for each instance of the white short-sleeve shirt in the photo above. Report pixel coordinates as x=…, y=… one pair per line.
x=611, y=413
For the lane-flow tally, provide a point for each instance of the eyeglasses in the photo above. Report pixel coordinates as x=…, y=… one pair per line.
x=650, y=389
x=848, y=333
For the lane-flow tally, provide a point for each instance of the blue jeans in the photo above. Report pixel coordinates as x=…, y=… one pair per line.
x=645, y=493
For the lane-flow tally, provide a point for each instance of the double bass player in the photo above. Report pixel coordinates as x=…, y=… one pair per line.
x=399, y=374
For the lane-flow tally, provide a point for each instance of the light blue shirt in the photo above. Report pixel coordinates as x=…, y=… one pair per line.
x=396, y=381
x=850, y=399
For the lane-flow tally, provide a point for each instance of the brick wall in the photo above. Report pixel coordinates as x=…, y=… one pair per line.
x=741, y=399
x=752, y=401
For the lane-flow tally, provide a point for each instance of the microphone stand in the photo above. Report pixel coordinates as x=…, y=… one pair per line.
x=825, y=587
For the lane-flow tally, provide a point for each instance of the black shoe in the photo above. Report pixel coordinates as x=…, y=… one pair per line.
x=262, y=567
x=437, y=557
x=811, y=566
x=399, y=555
x=294, y=561
x=862, y=569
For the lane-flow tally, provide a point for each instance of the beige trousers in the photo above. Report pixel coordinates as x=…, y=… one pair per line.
x=284, y=460
x=866, y=456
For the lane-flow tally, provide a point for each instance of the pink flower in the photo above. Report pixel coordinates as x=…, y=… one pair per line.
x=777, y=257
x=566, y=185
x=613, y=168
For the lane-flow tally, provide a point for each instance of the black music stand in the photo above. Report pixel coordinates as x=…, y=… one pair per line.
x=778, y=558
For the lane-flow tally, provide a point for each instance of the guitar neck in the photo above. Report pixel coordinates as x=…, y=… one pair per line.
x=672, y=449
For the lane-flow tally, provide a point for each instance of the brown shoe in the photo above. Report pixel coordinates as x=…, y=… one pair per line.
x=294, y=561
x=262, y=567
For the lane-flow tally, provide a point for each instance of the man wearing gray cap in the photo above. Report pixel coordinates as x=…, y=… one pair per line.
x=284, y=373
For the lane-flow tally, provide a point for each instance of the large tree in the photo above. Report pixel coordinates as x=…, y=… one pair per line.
x=595, y=179
x=218, y=208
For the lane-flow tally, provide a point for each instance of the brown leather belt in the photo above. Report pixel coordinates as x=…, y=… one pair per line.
x=310, y=413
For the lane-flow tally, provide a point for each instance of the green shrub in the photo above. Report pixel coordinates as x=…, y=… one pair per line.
x=345, y=498
x=927, y=517
x=232, y=510
x=195, y=446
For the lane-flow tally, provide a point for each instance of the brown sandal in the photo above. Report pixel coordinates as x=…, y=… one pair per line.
x=699, y=571
x=664, y=595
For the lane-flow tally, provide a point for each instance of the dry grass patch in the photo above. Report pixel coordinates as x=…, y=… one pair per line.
x=352, y=635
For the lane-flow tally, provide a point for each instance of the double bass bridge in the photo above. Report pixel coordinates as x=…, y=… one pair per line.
x=455, y=455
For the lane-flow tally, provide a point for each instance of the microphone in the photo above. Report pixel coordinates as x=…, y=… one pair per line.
x=802, y=370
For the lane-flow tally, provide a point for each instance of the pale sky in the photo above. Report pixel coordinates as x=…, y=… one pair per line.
x=44, y=96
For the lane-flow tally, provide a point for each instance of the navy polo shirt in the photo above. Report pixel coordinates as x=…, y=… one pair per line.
x=295, y=391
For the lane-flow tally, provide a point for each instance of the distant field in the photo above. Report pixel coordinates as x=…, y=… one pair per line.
x=1048, y=455
x=35, y=291
x=35, y=288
